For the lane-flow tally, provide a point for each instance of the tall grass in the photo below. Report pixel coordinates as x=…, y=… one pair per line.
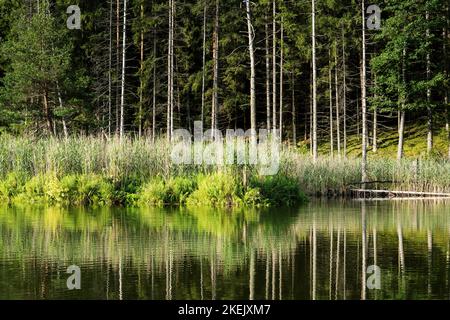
x=337, y=175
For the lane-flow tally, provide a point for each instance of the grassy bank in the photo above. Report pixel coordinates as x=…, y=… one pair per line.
x=220, y=190
x=94, y=170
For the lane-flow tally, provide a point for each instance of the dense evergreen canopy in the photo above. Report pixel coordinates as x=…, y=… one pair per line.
x=187, y=61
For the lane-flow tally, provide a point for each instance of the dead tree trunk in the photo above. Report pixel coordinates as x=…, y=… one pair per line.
x=268, y=106
x=251, y=37
x=429, y=110
x=122, y=95
x=338, y=116
x=215, y=99
x=274, y=65
x=281, y=77
x=364, y=100
x=314, y=80
x=330, y=81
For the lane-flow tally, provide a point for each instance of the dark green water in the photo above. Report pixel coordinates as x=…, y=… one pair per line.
x=318, y=251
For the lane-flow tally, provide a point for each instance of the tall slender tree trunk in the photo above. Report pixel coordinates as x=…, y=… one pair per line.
x=48, y=113
x=172, y=64
x=58, y=90
x=401, y=131
x=429, y=110
x=274, y=65
x=294, y=113
x=310, y=115
x=401, y=122
x=344, y=94
x=314, y=80
x=375, y=131
x=446, y=98
x=122, y=95
x=203, y=65
x=154, y=89
x=364, y=99
x=375, y=127
x=330, y=82
x=338, y=115
x=215, y=99
x=141, y=80
x=268, y=106
x=170, y=68
x=281, y=76
x=251, y=37
x=110, y=69
x=117, y=66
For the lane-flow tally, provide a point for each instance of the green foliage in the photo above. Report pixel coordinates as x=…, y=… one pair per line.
x=217, y=190
x=11, y=186
x=160, y=192
x=38, y=53
x=71, y=189
x=279, y=190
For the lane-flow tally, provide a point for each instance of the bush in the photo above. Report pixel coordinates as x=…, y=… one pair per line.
x=217, y=190
x=71, y=189
x=159, y=192
x=11, y=186
x=279, y=190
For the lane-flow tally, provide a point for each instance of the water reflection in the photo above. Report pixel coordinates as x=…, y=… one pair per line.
x=319, y=251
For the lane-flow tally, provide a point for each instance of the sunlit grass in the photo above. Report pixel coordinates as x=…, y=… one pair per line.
x=96, y=170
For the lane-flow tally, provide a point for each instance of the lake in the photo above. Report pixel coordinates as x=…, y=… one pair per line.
x=322, y=250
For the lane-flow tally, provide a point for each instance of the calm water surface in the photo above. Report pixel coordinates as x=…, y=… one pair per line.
x=318, y=251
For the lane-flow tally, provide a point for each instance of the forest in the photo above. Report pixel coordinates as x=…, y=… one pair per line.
x=364, y=83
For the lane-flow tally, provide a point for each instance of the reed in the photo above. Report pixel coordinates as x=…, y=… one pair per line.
x=89, y=169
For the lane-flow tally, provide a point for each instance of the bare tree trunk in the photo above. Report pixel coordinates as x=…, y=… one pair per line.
x=170, y=68
x=314, y=94
x=363, y=100
x=330, y=80
x=375, y=124
x=281, y=78
x=401, y=130
x=141, y=89
x=204, y=64
x=47, y=113
x=268, y=106
x=252, y=71
x=66, y=134
x=117, y=65
x=274, y=65
x=401, y=122
x=215, y=99
x=375, y=131
x=429, y=110
x=154, y=89
x=311, y=116
x=110, y=70
x=294, y=113
x=122, y=95
x=446, y=99
x=344, y=95
x=338, y=116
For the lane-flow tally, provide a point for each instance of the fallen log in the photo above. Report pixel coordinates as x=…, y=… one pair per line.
x=393, y=194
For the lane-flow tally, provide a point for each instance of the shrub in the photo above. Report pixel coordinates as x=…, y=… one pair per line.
x=279, y=190
x=159, y=192
x=11, y=186
x=217, y=190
